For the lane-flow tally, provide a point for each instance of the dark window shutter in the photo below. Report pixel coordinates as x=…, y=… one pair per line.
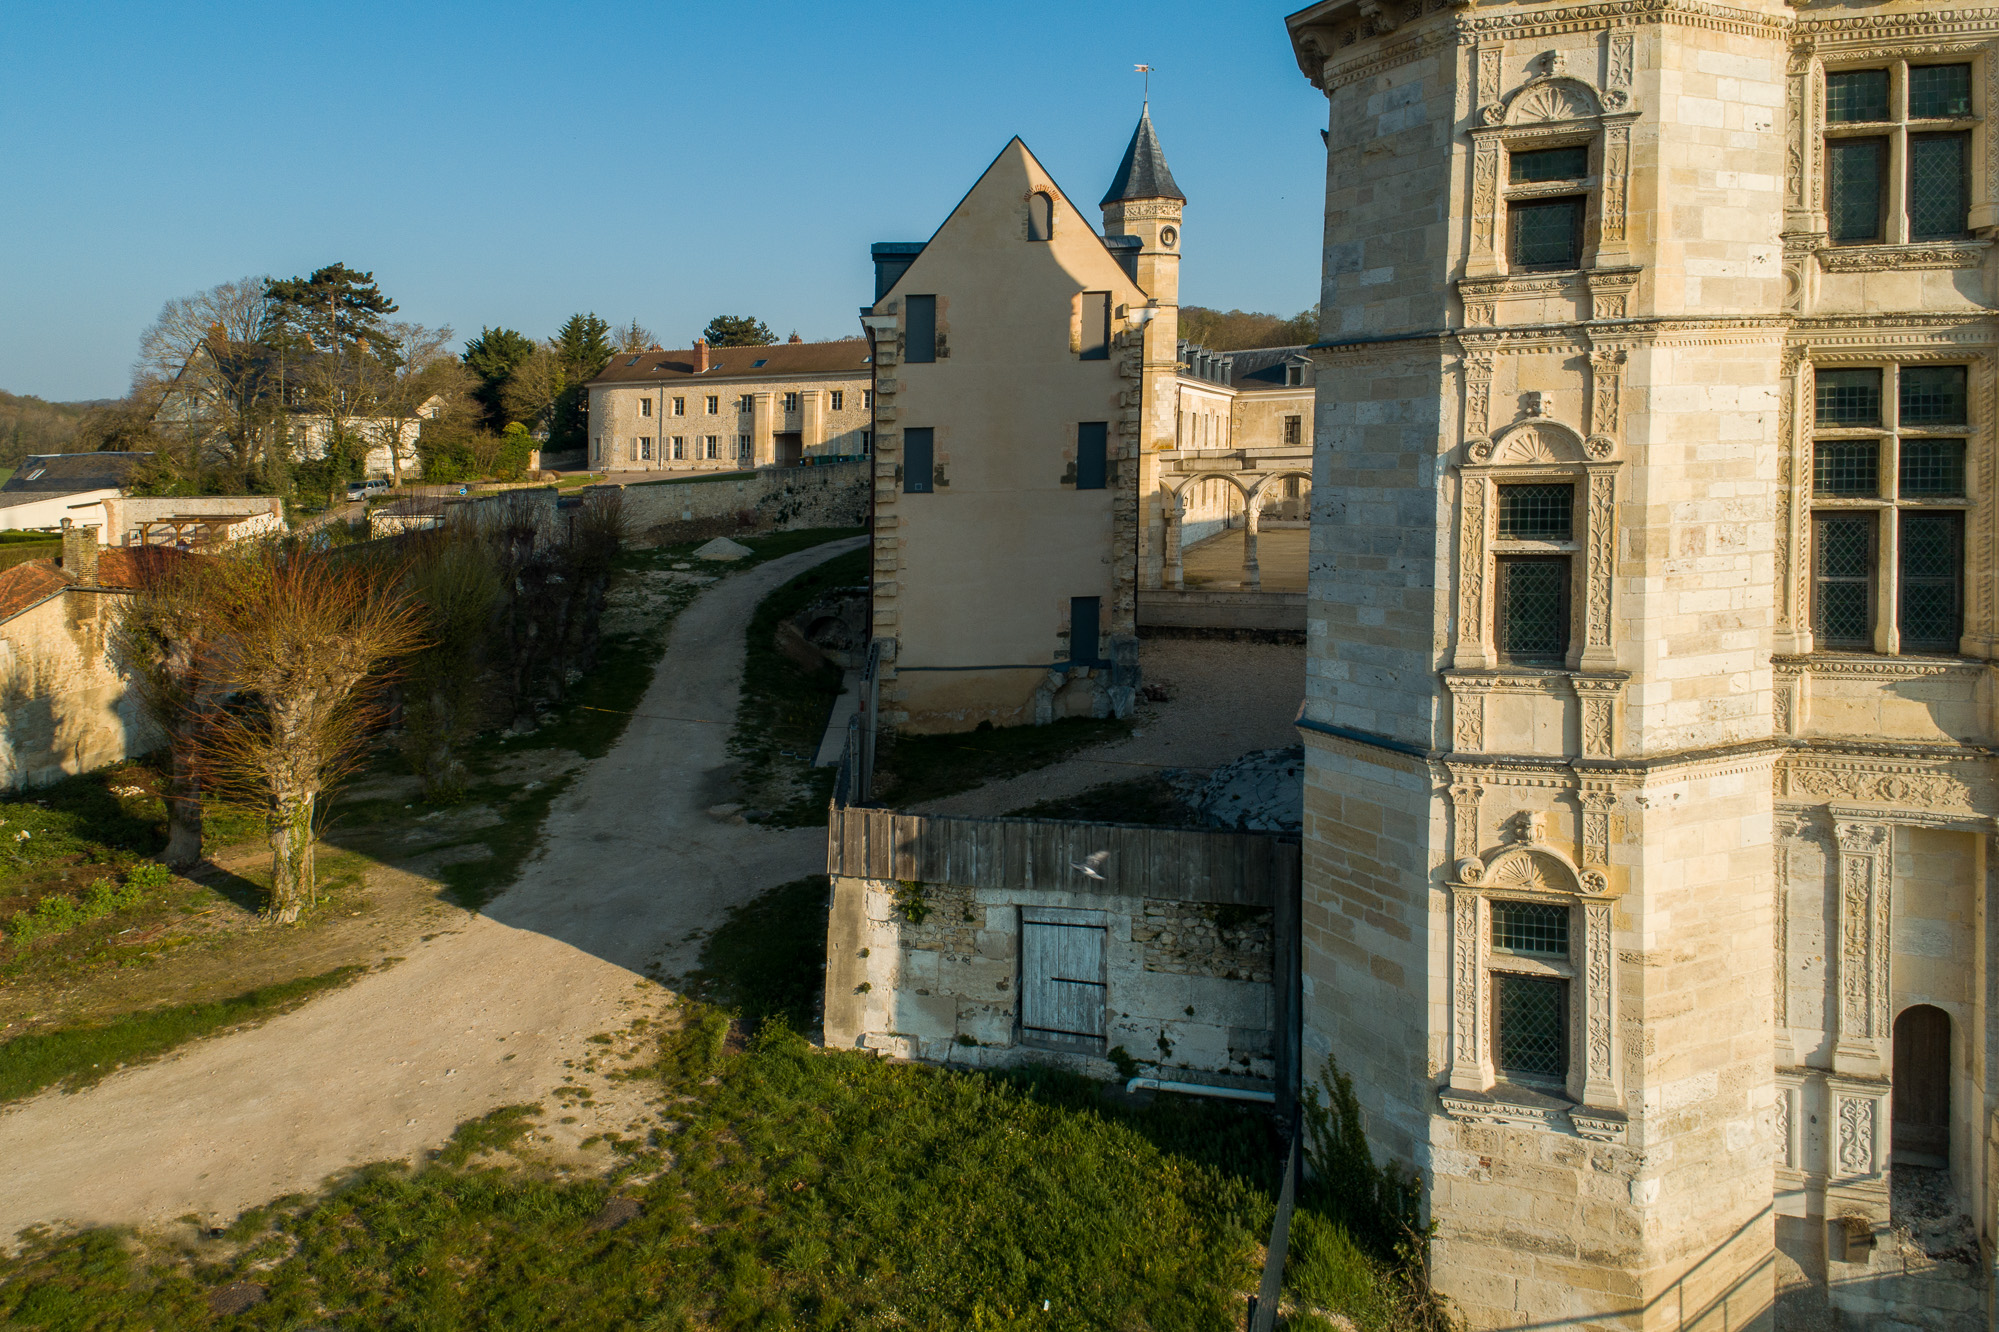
x=917, y=465
x=1083, y=630
x=920, y=338
x=1040, y=217
x=1092, y=451
x=1096, y=345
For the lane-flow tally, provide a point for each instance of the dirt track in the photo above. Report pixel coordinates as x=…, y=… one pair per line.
x=494, y=1011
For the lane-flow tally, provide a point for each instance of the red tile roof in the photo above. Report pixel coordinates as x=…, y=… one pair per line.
x=119, y=568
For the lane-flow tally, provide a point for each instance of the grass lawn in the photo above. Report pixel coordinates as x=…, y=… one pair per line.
x=915, y=768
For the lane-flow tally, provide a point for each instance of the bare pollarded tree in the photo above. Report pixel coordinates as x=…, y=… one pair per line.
x=310, y=637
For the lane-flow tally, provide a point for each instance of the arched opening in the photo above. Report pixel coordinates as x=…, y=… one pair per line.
x=1208, y=507
x=1921, y=1132
x=1040, y=217
x=1287, y=501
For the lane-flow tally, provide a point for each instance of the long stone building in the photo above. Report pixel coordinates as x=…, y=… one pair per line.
x=1650, y=705
x=728, y=409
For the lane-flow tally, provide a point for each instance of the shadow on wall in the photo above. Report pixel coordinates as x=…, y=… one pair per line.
x=68, y=709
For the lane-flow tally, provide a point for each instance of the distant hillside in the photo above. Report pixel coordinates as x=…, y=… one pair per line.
x=1241, y=330
x=30, y=425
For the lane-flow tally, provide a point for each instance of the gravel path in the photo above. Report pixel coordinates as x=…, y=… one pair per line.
x=1228, y=698
x=488, y=1014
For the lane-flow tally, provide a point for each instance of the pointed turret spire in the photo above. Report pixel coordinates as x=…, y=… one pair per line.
x=1143, y=174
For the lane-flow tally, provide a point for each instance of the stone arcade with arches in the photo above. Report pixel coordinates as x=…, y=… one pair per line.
x=1650, y=703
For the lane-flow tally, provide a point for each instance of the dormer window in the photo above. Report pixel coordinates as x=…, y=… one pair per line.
x=1040, y=216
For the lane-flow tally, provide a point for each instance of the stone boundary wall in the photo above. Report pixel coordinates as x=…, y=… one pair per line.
x=924, y=940
x=1194, y=608
x=770, y=499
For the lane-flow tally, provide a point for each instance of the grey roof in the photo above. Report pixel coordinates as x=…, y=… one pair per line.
x=68, y=473
x=1143, y=174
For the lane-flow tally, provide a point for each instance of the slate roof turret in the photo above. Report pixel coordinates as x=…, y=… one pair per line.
x=1143, y=174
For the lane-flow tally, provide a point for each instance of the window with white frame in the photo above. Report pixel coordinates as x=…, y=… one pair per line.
x=642, y=449
x=714, y=403
x=1547, y=201
x=645, y=406
x=680, y=406
x=867, y=400
x=839, y=400
x=791, y=402
x=746, y=403
x=742, y=446
x=713, y=443
x=1898, y=153
x=1889, y=499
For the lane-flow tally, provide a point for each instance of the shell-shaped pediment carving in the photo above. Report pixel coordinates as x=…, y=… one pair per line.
x=1531, y=870
x=1552, y=99
x=1537, y=441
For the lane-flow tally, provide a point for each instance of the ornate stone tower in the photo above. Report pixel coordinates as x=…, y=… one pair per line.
x=1538, y=725
x=1143, y=205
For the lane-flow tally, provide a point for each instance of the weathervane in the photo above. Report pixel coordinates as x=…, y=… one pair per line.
x=1147, y=71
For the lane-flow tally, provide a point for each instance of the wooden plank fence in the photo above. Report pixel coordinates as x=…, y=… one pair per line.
x=1184, y=864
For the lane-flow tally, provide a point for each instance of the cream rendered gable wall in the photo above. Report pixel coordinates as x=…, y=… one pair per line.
x=974, y=580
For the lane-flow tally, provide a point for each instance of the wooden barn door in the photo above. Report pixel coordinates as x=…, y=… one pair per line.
x=1062, y=984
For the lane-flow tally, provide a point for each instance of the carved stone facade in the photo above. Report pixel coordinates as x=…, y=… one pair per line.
x=1652, y=929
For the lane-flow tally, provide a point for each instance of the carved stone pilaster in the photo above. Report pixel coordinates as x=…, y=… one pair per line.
x=1610, y=298
x=1599, y=566
x=1788, y=829
x=1468, y=716
x=1478, y=394
x=1474, y=647
x=1858, y=1149
x=1606, y=379
x=1599, y=1008
x=1471, y=1059
x=1597, y=801
x=1465, y=796
x=1866, y=864
x=1596, y=699
x=1484, y=258
x=1613, y=248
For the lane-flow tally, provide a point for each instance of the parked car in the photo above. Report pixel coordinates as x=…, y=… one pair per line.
x=361, y=490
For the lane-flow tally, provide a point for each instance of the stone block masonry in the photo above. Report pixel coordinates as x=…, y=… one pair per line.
x=770, y=499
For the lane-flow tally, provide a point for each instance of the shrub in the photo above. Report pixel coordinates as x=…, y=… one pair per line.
x=58, y=913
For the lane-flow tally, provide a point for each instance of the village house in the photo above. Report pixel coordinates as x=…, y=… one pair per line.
x=66, y=705
x=1025, y=369
x=1650, y=710
x=727, y=409
x=51, y=491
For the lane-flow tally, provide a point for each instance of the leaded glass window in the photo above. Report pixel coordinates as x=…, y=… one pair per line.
x=1937, y=185
x=1531, y=1025
x=1843, y=567
x=1855, y=170
x=1547, y=233
x=1547, y=164
x=1847, y=468
x=1531, y=927
x=1932, y=469
x=1930, y=597
x=1537, y=512
x=1939, y=92
x=1931, y=395
x=1856, y=95
x=1532, y=608
x=1848, y=397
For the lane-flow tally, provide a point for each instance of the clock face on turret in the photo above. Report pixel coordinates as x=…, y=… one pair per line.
x=1167, y=235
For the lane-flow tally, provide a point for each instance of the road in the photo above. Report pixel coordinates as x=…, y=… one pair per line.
x=489, y=1014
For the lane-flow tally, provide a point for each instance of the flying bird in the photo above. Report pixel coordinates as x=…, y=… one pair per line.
x=1093, y=864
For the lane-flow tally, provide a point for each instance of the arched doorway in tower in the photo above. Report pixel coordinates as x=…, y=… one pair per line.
x=1921, y=1125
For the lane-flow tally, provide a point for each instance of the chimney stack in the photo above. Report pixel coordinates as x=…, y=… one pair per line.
x=700, y=355
x=79, y=552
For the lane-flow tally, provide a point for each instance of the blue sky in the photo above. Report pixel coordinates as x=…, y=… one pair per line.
x=508, y=164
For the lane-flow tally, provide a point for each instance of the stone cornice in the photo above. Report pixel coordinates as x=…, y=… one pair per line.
x=1901, y=26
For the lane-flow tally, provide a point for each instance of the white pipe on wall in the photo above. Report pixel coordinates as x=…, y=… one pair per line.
x=1202, y=1089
